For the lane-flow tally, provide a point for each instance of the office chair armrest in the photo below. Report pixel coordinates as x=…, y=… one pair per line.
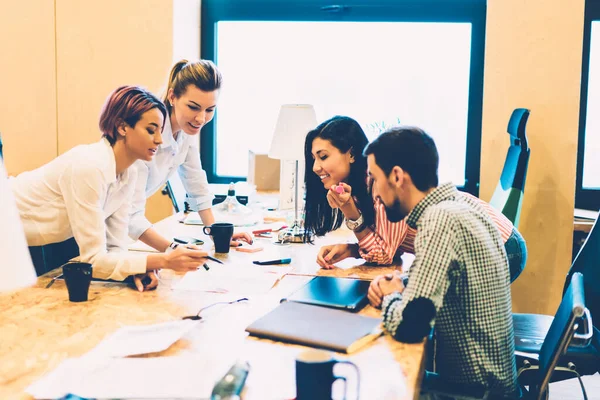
x=582, y=339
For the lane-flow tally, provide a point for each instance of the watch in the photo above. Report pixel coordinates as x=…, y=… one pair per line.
x=355, y=225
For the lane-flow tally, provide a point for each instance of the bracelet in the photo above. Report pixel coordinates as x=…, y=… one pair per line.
x=172, y=246
x=360, y=228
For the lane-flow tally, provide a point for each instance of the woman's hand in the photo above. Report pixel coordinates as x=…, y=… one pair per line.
x=340, y=200
x=238, y=238
x=331, y=254
x=184, y=258
x=138, y=280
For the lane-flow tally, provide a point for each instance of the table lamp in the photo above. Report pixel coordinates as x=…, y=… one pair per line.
x=16, y=268
x=293, y=124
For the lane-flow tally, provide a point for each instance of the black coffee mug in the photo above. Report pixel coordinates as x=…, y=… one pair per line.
x=315, y=377
x=77, y=277
x=221, y=233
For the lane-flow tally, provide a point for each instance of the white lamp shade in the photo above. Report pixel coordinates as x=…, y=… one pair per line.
x=293, y=123
x=16, y=268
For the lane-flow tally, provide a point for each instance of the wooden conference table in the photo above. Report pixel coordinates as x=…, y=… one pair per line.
x=39, y=327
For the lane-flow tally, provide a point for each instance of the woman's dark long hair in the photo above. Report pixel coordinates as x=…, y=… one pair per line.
x=345, y=134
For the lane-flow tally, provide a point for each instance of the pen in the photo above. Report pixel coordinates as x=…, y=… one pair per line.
x=260, y=231
x=53, y=280
x=273, y=262
x=209, y=257
x=215, y=259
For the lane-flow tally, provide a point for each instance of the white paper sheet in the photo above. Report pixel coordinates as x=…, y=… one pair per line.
x=149, y=378
x=350, y=262
x=250, y=281
x=193, y=219
x=143, y=339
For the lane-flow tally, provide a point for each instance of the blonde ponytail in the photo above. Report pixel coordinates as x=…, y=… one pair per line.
x=202, y=73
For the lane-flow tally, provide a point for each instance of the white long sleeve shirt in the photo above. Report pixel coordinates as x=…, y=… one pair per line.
x=181, y=155
x=78, y=194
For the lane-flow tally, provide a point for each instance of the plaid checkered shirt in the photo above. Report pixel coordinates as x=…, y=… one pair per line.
x=461, y=266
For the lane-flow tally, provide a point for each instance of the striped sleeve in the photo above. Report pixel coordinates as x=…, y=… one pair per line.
x=502, y=223
x=382, y=243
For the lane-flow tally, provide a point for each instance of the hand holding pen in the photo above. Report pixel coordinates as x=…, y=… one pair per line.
x=186, y=258
x=196, y=248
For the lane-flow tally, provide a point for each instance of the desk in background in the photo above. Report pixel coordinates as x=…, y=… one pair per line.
x=583, y=221
x=39, y=327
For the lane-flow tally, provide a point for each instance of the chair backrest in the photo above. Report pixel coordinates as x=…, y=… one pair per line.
x=587, y=261
x=508, y=195
x=176, y=193
x=560, y=334
x=48, y=257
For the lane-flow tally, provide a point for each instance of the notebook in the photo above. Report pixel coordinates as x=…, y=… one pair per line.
x=316, y=326
x=342, y=293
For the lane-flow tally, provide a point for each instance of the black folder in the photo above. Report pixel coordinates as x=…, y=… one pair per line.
x=316, y=326
x=341, y=293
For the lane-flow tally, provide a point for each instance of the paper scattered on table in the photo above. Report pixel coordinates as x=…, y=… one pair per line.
x=350, y=262
x=193, y=219
x=245, y=281
x=141, y=246
x=143, y=339
x=149, y=378
x=245, y=220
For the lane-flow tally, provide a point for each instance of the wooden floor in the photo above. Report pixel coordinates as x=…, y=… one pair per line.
x=571, y=390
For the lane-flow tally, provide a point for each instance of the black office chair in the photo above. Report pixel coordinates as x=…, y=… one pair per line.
x=48, y=257
x=508, y=196
x=530, y=329
x=571, y=317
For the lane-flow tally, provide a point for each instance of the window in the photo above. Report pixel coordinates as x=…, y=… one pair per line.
x=588, y=165
x=413, y=62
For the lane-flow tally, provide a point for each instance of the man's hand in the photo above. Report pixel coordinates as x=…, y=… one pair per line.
x=331, y=254
x=184, y=259
x=383, y=285
x=151, y=276
x=238, y=238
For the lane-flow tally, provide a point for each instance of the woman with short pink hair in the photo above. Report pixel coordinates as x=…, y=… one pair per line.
x=86, y=193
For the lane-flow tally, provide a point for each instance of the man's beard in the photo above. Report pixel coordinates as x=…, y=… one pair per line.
x=395, y=212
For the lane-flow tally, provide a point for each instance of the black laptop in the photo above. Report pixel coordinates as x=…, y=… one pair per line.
x=341, y=293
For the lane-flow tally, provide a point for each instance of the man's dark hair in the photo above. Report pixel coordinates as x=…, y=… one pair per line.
x=411, y=149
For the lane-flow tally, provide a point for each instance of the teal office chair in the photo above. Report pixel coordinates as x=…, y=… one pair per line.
x=533, y=379
x=571, y=318
x=508, y=195
x=530, y=329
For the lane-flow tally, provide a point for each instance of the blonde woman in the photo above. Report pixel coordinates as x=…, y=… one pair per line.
x=191, y=99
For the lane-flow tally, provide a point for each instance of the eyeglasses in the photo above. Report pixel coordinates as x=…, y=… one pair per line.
x=198, y=317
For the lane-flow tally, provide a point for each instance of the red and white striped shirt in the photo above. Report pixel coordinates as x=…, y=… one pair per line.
x=380, y=246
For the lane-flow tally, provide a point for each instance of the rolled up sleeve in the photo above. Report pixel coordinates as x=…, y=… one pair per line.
x=84, y=191
x=138, y=223
x=194, y=179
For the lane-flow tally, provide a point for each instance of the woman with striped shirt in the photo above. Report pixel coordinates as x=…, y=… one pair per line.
x=337, y=190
